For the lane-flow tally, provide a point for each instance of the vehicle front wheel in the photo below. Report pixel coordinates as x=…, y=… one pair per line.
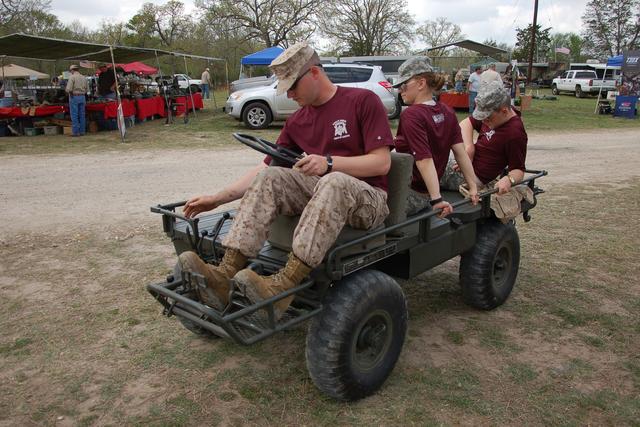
x=354, y=343
x=579, y=93
x=488, y=271
x=554, y=90
x=257, y=115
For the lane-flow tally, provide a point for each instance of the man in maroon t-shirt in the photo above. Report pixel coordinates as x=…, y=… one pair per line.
x=501, y=143
x=341, y=180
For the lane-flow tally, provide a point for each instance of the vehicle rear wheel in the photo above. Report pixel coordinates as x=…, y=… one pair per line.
x=354, y=343
x=554, y=90
x=488, y=271
x=396, y=112
x=188, y=324
x=257, y=115
x=579, y=93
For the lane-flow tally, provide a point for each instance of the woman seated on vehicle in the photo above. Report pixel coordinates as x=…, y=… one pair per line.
x=429, y=130
x=501, y=143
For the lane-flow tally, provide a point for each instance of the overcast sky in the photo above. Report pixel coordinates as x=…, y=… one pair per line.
x=479, y=20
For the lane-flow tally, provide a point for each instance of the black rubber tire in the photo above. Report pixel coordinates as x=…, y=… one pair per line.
x=396, y=112
x=488, y=271
x=257, y=115
x=354, y=343
x=196, y=329
x=554, y=90
x=579, y=93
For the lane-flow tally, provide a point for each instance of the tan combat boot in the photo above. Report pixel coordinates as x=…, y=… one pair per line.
x=216, y=292
x=258, y=288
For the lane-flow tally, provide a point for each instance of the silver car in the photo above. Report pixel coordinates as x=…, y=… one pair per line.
x=258, y=107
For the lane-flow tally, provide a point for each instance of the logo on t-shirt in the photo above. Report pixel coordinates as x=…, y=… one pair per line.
x=438, y=118
x=340, y=129
x=490, y=134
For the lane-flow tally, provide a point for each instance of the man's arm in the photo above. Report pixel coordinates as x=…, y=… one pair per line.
x=374, y=163
x=235, y=191
x=466, y=128
x=505, y=183
x=467, y=170
x=69, y=87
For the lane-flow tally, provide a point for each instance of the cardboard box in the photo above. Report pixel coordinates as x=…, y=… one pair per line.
x=52, y=130
x=66, y=130
x=525, y=102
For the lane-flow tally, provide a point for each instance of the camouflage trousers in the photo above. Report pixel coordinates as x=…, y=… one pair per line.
x=325, y=204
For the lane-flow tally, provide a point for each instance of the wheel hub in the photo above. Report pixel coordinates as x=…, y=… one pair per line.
x=372, y=340
x=501, y=266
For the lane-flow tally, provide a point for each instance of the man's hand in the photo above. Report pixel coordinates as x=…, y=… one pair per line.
x=200, y=204
x=312, y=165
x=446, y=208
x=455, y=167
x=473, y=194
x=504, y=185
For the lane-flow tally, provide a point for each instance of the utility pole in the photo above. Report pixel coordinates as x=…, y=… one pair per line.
x=533, y=41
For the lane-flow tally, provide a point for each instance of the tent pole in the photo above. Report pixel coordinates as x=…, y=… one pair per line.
x=226, y=76
x=600, y=89
x=212, y=90
x=166, y=100
x=119, y=100
x=186, y=72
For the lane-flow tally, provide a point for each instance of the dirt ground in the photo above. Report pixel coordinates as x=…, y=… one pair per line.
x=81, y=342
x=63, y=192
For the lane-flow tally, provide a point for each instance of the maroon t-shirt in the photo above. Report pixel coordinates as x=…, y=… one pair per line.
x=499, y=148
x=352, y=123
x=427, y=131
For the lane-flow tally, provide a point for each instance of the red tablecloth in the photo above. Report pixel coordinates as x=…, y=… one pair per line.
x=45, y=110
x=149, y=107
x=455, y=100
x=197, y=101
x=110, y=109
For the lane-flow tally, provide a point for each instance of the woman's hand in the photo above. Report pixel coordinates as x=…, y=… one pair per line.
x=446, y=207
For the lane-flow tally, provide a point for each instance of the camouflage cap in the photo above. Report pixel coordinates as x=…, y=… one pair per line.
x=293, y=63
x=412, y=67
x=490, y=98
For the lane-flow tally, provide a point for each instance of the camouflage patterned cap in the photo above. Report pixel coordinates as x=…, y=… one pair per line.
x=490, y=98
x=412, y=67
x=293, y=63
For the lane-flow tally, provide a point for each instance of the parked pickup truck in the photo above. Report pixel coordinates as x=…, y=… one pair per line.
x=184, y=81
x=581, y=82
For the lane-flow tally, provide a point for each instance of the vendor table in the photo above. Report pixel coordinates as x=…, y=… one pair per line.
x=149, y=107
x=110, y=109
x=455, y=99
x=45, y=110
x=186, y=100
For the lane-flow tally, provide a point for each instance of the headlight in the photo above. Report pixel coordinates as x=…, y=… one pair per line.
x=235, y=96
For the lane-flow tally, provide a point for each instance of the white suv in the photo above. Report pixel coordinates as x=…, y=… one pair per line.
x=259, y=106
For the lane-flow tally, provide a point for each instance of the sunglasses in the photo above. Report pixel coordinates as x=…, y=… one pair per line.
x=296, y=81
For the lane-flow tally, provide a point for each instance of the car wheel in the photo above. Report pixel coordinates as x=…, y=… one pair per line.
x=579, y=93
x=396, y=112
x=257, y=115
x=488, y=271
x=354, y=343
x=554, y=90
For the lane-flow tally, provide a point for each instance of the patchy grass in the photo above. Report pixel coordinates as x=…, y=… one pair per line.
x=83, y=340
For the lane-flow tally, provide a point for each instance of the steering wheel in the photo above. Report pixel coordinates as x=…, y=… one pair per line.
x=281, y=155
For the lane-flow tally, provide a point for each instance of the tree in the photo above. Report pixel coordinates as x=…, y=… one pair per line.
x=274, y=22
x=611, y=26
x=439, y=32
x=159, y=25
x=503, y=46
x=368, y=27
x=523, y=43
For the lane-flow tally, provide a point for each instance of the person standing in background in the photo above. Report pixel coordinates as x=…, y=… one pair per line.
x=77, y=89
x=205, y=82
x=473, y=86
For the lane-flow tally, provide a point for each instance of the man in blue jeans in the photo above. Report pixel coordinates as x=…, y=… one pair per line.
x=77, y=87
x=474, y=87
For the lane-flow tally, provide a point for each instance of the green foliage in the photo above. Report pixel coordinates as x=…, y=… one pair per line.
x=523, y=43
x=611, y=26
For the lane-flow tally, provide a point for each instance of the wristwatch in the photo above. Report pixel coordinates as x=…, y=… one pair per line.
x=329, y=164
x=512, y=180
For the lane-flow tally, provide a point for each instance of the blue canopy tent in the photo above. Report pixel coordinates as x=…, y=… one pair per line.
x=264, y=57
x=614, y=62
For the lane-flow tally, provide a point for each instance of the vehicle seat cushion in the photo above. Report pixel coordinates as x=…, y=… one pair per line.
x=399, y=180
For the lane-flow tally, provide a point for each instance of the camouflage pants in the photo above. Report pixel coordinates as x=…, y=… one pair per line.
x=451, y=180
x=416, y=202
x=325, y=204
